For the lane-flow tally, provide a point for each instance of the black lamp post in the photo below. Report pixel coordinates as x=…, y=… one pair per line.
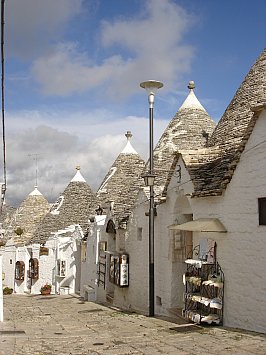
x=151, y=86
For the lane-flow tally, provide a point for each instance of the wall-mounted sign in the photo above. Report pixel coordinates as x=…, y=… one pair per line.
x=118, y=270
x=124, y=270
x=44, y=251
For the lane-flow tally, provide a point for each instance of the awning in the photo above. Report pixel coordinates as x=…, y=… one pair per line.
x=201, y=225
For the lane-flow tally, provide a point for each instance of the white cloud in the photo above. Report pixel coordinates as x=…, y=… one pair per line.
x=149, y=46
x=85, y=139
x=31, y=25
x=145, y=46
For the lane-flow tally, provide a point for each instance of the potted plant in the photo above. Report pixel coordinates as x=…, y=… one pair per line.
x=46, y=289
x=7, y=290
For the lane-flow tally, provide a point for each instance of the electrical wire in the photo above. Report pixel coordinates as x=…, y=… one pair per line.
x=3, y=103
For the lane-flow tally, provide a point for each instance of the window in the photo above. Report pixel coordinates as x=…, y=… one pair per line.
x=19, y=271
x=61, y=268
x=139, y=233
x=262, y=211
x=34, y=269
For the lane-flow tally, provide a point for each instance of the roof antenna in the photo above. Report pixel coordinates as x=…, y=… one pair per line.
x=35, y=157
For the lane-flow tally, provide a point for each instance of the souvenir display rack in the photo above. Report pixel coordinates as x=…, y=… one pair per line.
x=204, y=290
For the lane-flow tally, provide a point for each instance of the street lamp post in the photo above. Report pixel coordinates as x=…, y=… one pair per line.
x=151, y=86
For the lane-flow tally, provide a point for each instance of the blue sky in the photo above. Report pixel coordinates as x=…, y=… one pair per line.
x=73, y=68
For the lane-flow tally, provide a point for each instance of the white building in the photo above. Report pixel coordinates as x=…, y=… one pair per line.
x=222, y=188
x=213, y=211
x=210, y=204
x=190, y=127
x=59, y=237
x=18, y=231
x=108, y=231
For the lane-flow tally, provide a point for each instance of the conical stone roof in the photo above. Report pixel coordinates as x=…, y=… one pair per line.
x=26, y=218
x=211, y=169
x=73, y=206
x=231, y=128
x=189, y=129
x=121, y=184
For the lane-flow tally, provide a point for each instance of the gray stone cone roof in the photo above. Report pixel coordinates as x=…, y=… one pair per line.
x=79, y=203
x=234, y=122
x=212, y=169
x=6, y=214
x=122, y=183
x=185, y=131
x=27, y=216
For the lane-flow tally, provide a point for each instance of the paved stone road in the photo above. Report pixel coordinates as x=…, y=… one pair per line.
x=66, y=325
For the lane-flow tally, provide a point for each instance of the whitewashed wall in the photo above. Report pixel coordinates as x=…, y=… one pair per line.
x=46, y=267
x=61, y=247
x=89, y=288
x=135, y=297
x=9, y=261
x=240, y=251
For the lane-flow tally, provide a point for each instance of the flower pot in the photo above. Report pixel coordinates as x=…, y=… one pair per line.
x=46, y=292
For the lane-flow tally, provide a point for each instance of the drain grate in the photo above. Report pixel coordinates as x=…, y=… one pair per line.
x=91, y=310
x=12, y=332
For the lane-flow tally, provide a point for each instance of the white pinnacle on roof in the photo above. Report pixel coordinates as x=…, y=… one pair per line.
x=191, y=101
x=128, y=148
x=35, y=192
x=78, y=177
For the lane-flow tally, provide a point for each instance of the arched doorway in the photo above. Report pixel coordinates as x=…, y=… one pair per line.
x=180, y=246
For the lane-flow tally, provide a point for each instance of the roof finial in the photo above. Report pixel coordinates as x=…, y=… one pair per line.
x=78, y=177
x=128, y=135
x=128, y=148
x=191, y=85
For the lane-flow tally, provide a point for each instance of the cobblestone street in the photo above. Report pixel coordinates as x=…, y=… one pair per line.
x=67, y=325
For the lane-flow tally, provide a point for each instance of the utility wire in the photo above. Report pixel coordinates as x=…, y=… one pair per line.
x=3, y=103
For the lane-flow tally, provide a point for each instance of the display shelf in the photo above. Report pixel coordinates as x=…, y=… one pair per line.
x=204, y=291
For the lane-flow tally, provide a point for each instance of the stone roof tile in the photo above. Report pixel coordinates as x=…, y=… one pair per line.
x=26, y=217
x=74, y=206
x=189, y=128
x=122, y=182
x=211, y=174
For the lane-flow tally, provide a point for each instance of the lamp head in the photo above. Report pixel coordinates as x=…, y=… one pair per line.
x=151, y=86
x=148, y=179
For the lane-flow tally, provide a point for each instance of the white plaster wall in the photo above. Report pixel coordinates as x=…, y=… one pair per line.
x=241, y=251
x=169, y=271
x=9, y=255
x=89, y=267
x=67, y=252
x=86, y=278
x=46, y=267
x=23, y=285
x=135, y=297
